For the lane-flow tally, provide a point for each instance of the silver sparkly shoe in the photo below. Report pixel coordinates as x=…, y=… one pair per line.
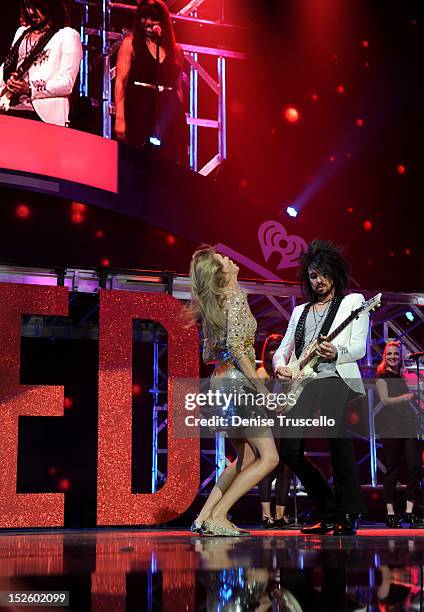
x=210, y=528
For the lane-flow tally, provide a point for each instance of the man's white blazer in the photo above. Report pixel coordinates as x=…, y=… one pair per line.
x=351, y=343
x=52, y=77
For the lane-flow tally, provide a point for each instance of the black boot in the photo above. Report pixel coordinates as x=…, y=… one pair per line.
x=347, y=525
x=267, y=522
x=321, y=528
x=392, y=521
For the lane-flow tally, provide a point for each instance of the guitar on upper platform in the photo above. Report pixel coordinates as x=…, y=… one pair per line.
x=302, y=369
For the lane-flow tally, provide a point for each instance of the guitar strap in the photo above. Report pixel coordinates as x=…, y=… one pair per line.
x=299, y=334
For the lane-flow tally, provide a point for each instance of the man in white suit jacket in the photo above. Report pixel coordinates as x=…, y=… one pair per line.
x=44, y=91
x=325, y=277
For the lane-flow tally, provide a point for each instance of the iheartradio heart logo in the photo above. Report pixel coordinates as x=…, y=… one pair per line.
x=273, y=238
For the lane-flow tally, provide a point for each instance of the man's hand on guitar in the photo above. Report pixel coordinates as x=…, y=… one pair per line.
x=326, y=350
x=17, y=86
x=283, y=373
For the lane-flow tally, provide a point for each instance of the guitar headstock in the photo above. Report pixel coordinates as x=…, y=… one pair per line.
x=371, y=304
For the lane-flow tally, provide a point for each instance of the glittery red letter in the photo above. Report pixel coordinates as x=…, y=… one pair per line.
x=116, y=504
x=24, y=509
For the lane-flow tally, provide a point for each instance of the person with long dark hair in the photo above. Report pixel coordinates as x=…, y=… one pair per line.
x=282, y=473
x=324, y=275
x=148, y=91
x=398, y=418
x=229, y=331
x=40, y=70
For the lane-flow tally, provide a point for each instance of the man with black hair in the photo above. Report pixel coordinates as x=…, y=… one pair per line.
x=40, y=70
x=324, y=275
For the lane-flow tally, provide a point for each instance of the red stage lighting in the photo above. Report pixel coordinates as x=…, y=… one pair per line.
x=68, y=403
x=391, y=253
x=314, y=97
x=64, y=484
x=170, y=239
x=291, y=114
x=78, y=212
x=360, y=122
x=243, y=183
x=340, y=89
x=367, y=225
x=332, y=158
x=100, y=233
x=350, y=210
x=105, y=262
x=136, y=389
x=400, y=169
x=22, y=211
x=366, y=64
x=407, y=251
x=365, y=44
x=354, y=418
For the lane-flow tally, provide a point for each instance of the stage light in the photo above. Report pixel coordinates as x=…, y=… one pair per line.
x=291, y=211
x=136, y=389
x=291, y=114
x=100, y=233
x=367, y=225
x=350, y=210
x=22, y=211
x=407, y=251
x=105, y=262
x=360, y=122
x=332, y=158
x=400, y=169
x=340, y=89
x=64, y=484
x=170, y=239
x=365, y=44
x=156, y=142
x=68, y=403
x=78, y=212
x=314, y=97
x=409, y=316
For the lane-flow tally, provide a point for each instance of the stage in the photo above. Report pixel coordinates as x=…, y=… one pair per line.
x=161, y=569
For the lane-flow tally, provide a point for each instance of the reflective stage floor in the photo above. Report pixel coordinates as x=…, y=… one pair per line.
x=108, y=570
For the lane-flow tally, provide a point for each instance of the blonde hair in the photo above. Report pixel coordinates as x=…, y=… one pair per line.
x=382, y=366
x=208, y=283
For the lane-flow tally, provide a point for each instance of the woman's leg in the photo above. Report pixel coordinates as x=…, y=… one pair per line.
x=413, y=464
x=282, y=489
x=247, y=478
x=265, y=487
x=393, y=449
x=245, y=456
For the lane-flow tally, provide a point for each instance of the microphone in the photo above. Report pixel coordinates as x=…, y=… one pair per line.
x=157, y=31
x=416, y=356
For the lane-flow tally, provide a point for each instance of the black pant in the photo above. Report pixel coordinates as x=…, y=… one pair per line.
x=331, y=396
x=283, y=475
x=394, y=450
x=24, y=115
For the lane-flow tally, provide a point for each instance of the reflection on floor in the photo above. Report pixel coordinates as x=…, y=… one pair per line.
x=108, y=570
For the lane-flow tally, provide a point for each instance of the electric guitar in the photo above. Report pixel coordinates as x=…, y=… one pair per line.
x=303, y=368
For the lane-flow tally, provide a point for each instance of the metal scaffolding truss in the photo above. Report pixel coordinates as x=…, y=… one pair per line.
x=271, y=303
x=193, y=54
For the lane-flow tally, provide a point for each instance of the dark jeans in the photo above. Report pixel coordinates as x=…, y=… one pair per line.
x=331, y=396
x=394, y=450
x=283, y=475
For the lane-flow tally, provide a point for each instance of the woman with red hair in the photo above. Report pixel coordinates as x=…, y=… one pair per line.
x=397, y=417
x=282, y=473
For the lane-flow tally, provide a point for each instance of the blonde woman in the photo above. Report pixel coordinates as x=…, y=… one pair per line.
x=396, y=418
x=229, y=331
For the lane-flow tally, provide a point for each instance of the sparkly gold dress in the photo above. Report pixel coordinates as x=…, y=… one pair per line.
x=238, y=341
